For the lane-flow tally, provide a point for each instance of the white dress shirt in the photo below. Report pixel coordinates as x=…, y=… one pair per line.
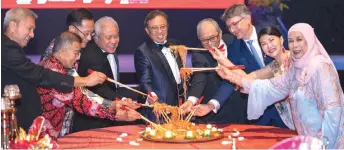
x=172, y=63
x=113, y=65
x=255, y=44
x=194, y=99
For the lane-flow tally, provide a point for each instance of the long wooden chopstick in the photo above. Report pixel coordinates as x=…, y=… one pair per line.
x=118, y=83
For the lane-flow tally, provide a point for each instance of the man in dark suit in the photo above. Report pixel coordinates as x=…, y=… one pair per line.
x=19, y=24
x=244, y=50
x=100, y=55
x=207, y=83
x=156, y=67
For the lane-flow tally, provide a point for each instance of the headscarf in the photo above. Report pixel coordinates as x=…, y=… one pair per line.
x=315, y=54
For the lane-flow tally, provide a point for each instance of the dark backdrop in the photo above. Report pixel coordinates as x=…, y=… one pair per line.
x=327, y=17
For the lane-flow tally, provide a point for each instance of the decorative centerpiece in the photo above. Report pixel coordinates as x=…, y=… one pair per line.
x=178, y=129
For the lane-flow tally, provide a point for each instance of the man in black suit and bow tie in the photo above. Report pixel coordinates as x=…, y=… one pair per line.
x=100, y=55
x=207, y=83
x=156, y=67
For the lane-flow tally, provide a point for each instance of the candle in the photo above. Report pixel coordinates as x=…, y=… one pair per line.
x=207, y=132
x=193, y=124
x=189, y=134
x=152, y=132
x=209, y=126
x=214, y=129
x=168, y=134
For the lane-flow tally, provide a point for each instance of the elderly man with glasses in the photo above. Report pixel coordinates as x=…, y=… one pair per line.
x=207, y=83
x=156, y=67
x=244, y=50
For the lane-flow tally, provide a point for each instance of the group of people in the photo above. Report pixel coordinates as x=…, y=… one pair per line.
x=297, y=88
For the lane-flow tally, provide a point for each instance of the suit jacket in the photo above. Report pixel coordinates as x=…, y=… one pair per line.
x=154, y=73
x=17, y=69
x=207, y=83
x=92, y=57
x=239, y=54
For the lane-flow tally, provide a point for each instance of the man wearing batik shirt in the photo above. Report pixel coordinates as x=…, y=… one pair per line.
x=66, y=52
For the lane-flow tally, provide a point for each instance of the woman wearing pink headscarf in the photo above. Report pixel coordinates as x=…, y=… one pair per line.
x=312, y=84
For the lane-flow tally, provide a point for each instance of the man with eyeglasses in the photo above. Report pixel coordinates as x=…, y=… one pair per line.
x=19, y=24
x=54, y=103
x=79, y=21
x=156, y=67
x=207, y=83
x=100, y=55
x=244, y=50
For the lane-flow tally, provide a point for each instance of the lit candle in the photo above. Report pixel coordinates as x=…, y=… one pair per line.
x=193, y=124
x=209, y=126
x=207, y=132
x=152, y=132
x=214, y=129
x=189, y=134
x=168, y=134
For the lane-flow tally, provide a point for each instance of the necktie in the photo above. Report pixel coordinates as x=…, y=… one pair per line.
x=113, y=65
x=255, y=53
x=161, y=46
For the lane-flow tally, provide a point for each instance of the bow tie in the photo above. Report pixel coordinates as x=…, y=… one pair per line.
x=161, y=46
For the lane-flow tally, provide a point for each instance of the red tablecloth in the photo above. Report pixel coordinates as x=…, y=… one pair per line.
x=254, y=137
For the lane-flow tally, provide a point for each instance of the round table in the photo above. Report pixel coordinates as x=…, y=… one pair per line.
x=254, y=137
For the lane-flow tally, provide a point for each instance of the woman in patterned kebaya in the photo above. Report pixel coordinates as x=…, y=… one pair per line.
x=312, y=83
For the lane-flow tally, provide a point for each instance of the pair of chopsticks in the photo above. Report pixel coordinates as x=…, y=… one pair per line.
x=193, y=111
x=118, y=83
x=216, y=68
x=125, y=108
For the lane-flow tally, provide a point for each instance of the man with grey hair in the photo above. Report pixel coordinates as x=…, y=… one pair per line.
x=100, y=55
x=244, y=50
x=19, y=24
x=66, y=52
x=207, y=83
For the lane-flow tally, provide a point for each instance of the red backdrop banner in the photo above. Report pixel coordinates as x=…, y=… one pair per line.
x=133, y=4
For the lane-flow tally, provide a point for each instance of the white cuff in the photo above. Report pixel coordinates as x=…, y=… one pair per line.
x=153, y=94
x=216, y=104
x=193, y=99
x=123, y=98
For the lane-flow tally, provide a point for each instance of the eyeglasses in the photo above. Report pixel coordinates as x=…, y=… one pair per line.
x=85, y=34
x=235, y=23
x=156, y=28
x=212, y=39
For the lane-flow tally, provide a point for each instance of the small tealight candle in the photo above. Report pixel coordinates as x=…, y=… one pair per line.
x=209, y=126
x=152, y=132
x=148, y=129
x=193, y=124
x=189, y=134
x=168, y=134
x=214, y=129
x=207, y=132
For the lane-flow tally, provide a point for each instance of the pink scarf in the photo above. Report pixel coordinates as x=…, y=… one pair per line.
x=315, y=54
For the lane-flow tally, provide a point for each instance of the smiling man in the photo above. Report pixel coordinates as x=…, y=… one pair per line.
x=244, y=50
x=156, y=68
x=100, y=55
